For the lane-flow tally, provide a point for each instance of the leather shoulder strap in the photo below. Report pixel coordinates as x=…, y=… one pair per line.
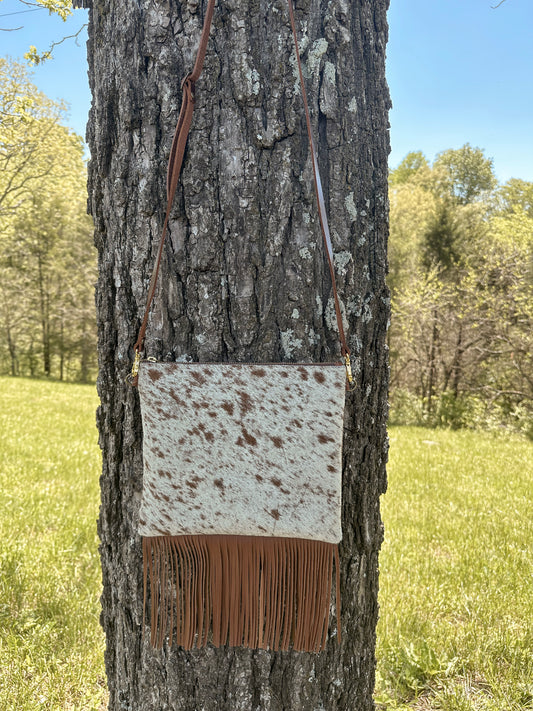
x=175, y=163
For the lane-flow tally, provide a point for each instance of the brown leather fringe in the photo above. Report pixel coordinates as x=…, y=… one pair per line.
x=250, y=591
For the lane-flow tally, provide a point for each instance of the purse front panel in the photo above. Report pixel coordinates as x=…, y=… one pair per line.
x=242, y=449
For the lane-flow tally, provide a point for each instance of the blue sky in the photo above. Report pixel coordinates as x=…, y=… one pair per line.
x=458, y=70
x=66, y=76
x=461, y=72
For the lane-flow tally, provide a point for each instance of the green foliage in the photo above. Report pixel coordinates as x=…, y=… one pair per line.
x=466, y=174
x=455, y=573
x=464, y=411
x=412, y=211
x=516, y=194
x=47, y=260
x=27, y=137
x=408, y=168
x=51, y=644
x=461, y=277
x=35, y=57
x=514, y=230
x=62, y=8
x=442, y=239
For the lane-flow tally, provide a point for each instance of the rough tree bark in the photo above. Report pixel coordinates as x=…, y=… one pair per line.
x=244, y=278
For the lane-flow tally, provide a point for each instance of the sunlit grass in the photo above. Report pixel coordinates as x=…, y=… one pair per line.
x=456, y=627
x=51, y=645
x=456, y=630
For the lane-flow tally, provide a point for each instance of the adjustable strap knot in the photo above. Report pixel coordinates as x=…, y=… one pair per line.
x=188, y=85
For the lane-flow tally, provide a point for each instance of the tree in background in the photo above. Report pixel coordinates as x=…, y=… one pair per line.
x=28, y=120
x=466, y=175
x=461, y=282
x=47, y=262
x=516, y=195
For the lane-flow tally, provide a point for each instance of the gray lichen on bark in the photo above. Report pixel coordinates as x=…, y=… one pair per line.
x=244, y=256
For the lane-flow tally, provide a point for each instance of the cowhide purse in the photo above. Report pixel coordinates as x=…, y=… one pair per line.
x=241, y=504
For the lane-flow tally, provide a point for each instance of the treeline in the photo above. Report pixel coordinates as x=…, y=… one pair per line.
x=461, y=271
x=461, y=277
x=47, y=259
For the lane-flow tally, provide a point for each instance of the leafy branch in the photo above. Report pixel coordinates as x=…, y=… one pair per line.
x=61, y=8
x=33, y=56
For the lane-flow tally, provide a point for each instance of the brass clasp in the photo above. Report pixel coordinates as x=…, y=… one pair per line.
x=131, y=377
x=136, y=363
x=349, y=375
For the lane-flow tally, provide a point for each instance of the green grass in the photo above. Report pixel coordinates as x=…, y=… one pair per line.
x=51, y=645
x=456, y=627
x=456, y=597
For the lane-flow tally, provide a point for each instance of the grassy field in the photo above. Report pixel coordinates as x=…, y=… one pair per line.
x=51, y=646
x=456, y=627
x=456, y=630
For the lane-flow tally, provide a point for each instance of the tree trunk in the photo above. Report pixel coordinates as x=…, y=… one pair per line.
x=432, y=364
x=61, y=344
x=86, y=346
x=44, y=308
x=244, y=278
x=11, y=347
x=457, y=360
x=32, y=360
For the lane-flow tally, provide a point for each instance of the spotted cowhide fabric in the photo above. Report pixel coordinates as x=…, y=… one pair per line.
x=242, y=449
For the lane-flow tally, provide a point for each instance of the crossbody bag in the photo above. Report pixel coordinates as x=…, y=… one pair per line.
x=240, y=515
